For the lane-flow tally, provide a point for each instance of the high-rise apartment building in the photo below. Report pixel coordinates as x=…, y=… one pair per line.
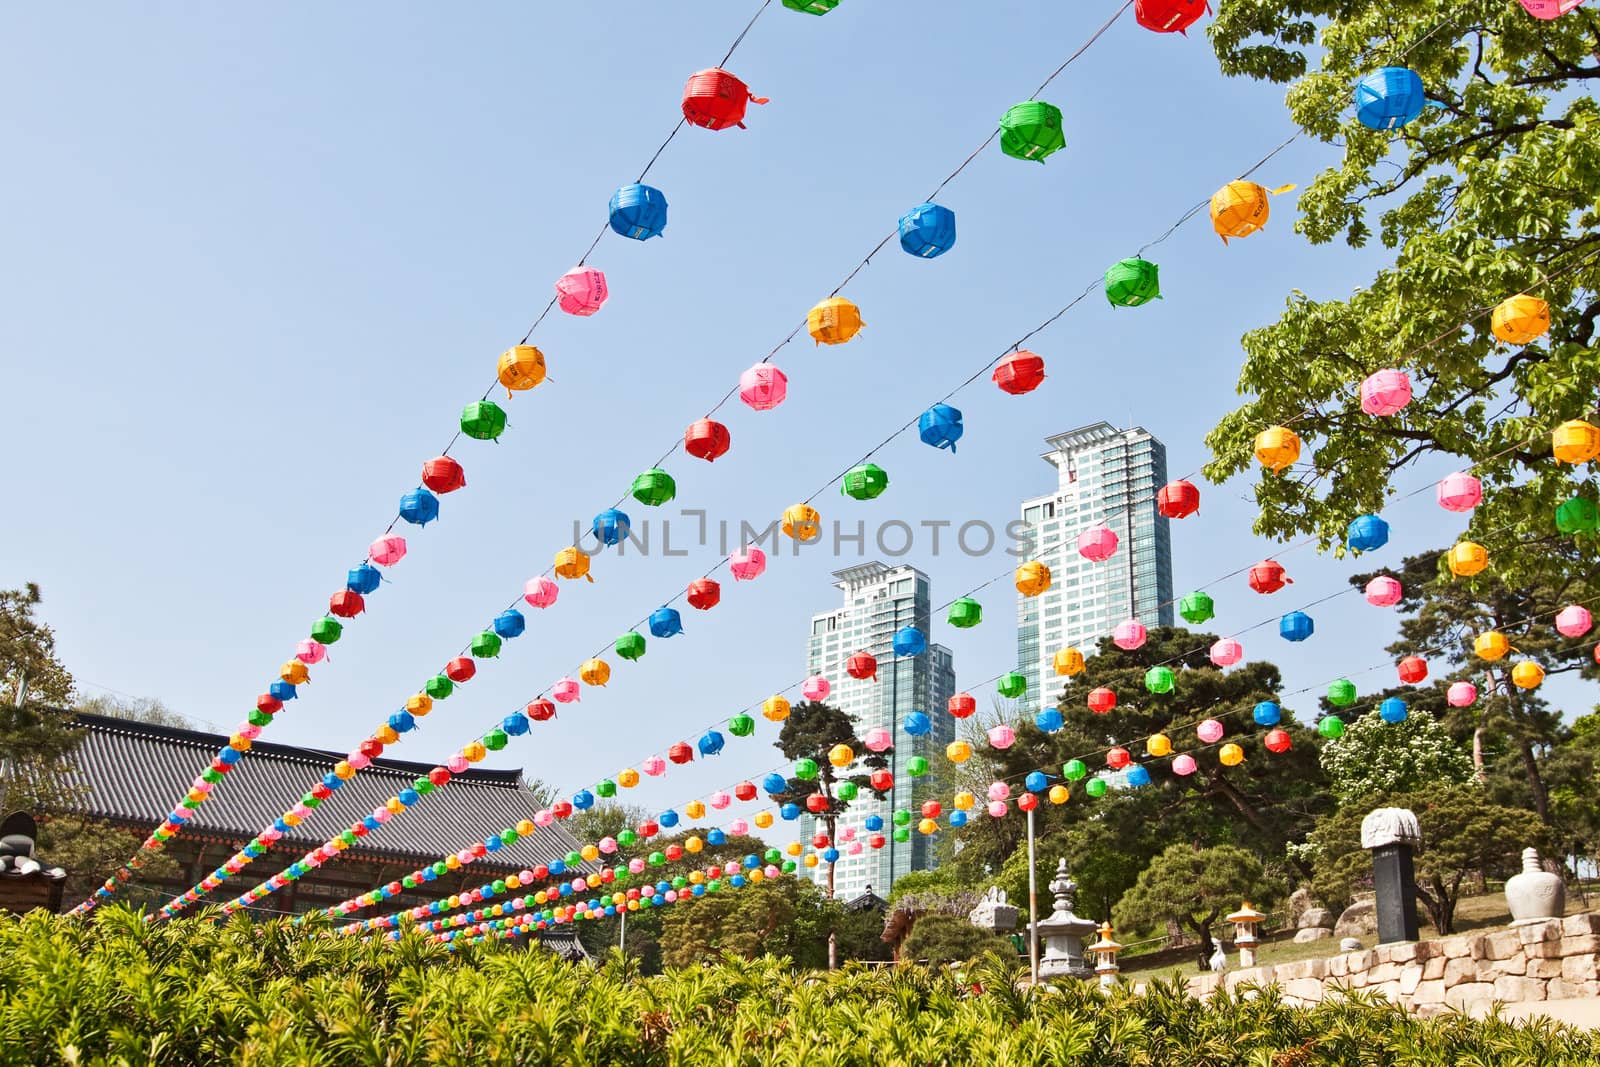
x=878, y=600
x=1104, y=476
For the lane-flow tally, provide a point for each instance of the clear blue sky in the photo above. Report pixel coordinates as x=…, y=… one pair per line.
x=255, y=264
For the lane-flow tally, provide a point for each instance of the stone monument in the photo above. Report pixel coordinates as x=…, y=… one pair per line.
x=1393, y=835
x=1063, y=932
x=993, y=913
x=1536, y=894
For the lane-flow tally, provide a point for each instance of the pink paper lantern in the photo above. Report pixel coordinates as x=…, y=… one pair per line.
x=997, y=809
x=457, y=763
x=670, y=896
x=1384, y=592
x=1129, y=635
x=608, y=845
x=1546, y=10
x=748, y=563
x=249, y=731
x=1459, y=492
x=720, y=800
x=581, y=291
x=1574, y=620
x=738, y=826
x=855, y=849
x=310, y=651
x=1209, y=731
x=877, y=739
x=541, y=592
x=544, y=817
x=771, y=870
x=359, y=760
x=1097, y=544
x=1184, y=765
x=387, y=550
x=565, y=691
x=816, y=687
x=999, y=791
x=1461, y=694
x=1001, y=736
x=380, y=814
x=654, y=766
x=1385, y=392
x=269, y=836
x=763, y=386
x=1227, y=652
x=636, y=866
x=847, y=834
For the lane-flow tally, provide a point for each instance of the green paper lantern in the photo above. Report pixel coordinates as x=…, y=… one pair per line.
x=811, y=7
x=416, y=783
x=679, y=882
x=1031, y=130
x=605, y=787
x=1012, y=684
x=965, y=613
x=627, y=838
x=258, y=717
x=788, y=868
x=486, y=645
x=310, y=801
x=509, y=836
x=1074, y=769
x=902, y=817
x=654, y=487
x=190, y=804
x=494, y=740
x=483, y=420
x=657, y=859
x=805, y=769
x=1197, y=607
x=1160, y=679
x=846, y=791
x=439, y=686
x=409, y=882
x=741, y=725
x=1132, y=282
x=1096, y=787
x=902, y=834
x=1331, y=726
x=916, y=766
x=573, y=859
x=864, y=481
x=327, y=631
x=773, y=856
x=212, y=775
x=630, y=646
x=422, y=786
x=1342, y=694
x=1577, y=516
x=440, y=869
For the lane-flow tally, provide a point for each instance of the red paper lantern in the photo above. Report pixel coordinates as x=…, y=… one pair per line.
x=1178, y=500
x=346, y=604
x=443, y=475
x=882, y=781
x=480, y=850
x=1268, y=576
x=1118, y=758
x=541, y=710
x=1028, y=801
x=962, y=705
x=371, y=748
x=715, y=99
x=1101, y=700
x=816, y=804
x=561, y=809
x=1020, y=372
x=704, y=594
x=876, y=841
x=682, y=752
x=674, y=853
x=438, y=776
x=706, y=439
x=1278, y=741
x=1169, y=16
x=862, y=665
x=460, y=669
x=268, y=704
x=648, y=828
x=745, y=790
x=1413, y=669
x=931, y=809
x=819, y=841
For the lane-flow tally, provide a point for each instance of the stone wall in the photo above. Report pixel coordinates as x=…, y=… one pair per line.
x=1551, y=960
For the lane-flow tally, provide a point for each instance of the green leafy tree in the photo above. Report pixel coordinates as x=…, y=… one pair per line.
x=1487, y=194
x=1194, y=887
x=607, y=818
x=1374, y=757
x=951, y=939
x=1462, y=835
x=138, y=709
x=784, y=917
x=35, y=735
x=90, y=850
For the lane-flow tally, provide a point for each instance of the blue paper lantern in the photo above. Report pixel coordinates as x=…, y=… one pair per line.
x=515, y=724
x=401, y=722
x=1296, y=626
x=1367, y=532
x=1393, y=710
x=710, y=743
x=638, y=211
x=790, y=812
x=665, y=622
x=558, y=868
x=1389, y=98
x=775, y=783
x=668, y=819
x=1268, y=714
x=829, y=855
x=916, y=724
x=908, y=641
x=1036, y=782
x=958, y=818
x=491, y=844
x=229, y=755
x=509, y=623
x=419, y=507
x=363, y=579
x=928, y=230
x=873, y=823
x=716, y=837
x=583, y=800
x=1049, y=720
x=332, y=781
x=940, y=426
x=611, y=526
x=281, y=690
x=1138, y=776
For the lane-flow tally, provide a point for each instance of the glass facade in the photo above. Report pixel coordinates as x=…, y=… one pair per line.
x=1104, y=476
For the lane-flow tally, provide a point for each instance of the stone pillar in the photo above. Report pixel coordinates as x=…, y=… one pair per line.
x=1392, y=835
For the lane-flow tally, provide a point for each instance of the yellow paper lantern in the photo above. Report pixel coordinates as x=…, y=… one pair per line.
x=1059, y=794
x=1277, y=447
x=1491, y=645
x=964, y=800
x=834, y=321
x=343, y=770
x=525, y=827
x=588, y=852
x=763, y=819
x=792, y=848
x=1069, y=661
x=239, y=742
x=289, y=817
x=1240, y=208
x=474, y=751
x=755, y=874
x=1527, y=674
x=295, y=673
x=1159, y=745
x=452, y=863
x=928, y=826
x=958, y=751
x=521, y=367
x=1033, y=578
x=573, y=563
x=802, y=522
x=693, y=844
x=627, y=778
x=513, y=882
x=1231, y=755
x=1520, y=319
x=695, y=809
x=595, y=672
x=696, y=877
x=419, y=704
x=811, y=859
x=841, y=755
x=387, y=734
x=1468, y=558
x=394, y=805
x=775, y=708
x=1576, y=441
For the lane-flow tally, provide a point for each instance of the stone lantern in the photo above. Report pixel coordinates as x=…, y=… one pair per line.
x=1105, y=957
x=1063, y=932
x=1392, y=835
x=1244, y=933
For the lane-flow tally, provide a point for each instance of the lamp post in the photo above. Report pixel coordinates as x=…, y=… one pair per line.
x=1105, y=957
x=1244, y=933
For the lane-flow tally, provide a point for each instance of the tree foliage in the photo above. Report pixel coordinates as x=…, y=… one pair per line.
x=950, y=939
x=1195, y=887
x=35, y=735
x=1376, y=757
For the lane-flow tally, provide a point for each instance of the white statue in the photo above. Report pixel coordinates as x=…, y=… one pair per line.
x=1390, y=826
x=1219, y=960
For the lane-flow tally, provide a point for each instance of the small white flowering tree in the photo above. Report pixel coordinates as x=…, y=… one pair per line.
x=1375, y=757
